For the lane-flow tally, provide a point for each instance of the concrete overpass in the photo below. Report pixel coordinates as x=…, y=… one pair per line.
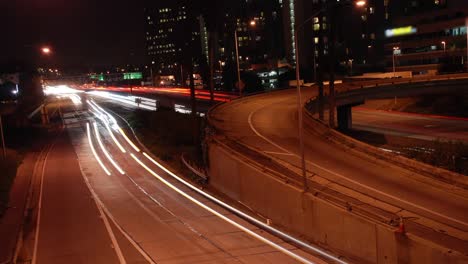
x=356, y=93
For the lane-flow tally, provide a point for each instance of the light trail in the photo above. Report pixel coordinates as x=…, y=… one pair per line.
x=244, y=215
x=105, y=113
x=117, y=127
x=106, y=123
x=94, y=151
x=146, y=103
x=223, y=204
x=128, y=140
x=108, y=156
x=248, y=231
x=114, y=138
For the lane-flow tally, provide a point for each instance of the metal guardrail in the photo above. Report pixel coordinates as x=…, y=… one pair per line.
x=35, y=111
x=192, y=169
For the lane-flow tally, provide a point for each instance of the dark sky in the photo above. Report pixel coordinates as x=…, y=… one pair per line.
x=81, y=32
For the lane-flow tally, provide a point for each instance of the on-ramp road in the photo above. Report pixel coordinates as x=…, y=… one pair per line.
x=268, y=123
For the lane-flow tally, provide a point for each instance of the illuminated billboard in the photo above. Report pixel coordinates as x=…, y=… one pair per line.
x=401, y=31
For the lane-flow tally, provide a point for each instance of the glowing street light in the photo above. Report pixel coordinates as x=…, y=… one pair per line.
x=46, y=50
x=361, y=3
x=443, y=43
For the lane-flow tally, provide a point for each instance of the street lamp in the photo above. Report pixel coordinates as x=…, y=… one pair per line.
x=360, y=3
x=252, y=23
x=395, y=51
x=444, y=44
x=46, y=50
x=298, y=89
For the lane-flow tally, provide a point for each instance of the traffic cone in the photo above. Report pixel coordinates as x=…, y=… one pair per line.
x=401, y=227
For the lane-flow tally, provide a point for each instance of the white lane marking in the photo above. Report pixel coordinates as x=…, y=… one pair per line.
x=94, y=151
x=104, y=150
x=102, y=206
x=39, y=207
x=99, y=205
x=244, y=215
x=128, y=140
x=278, y=153
x=353, y=181
x=209, y=209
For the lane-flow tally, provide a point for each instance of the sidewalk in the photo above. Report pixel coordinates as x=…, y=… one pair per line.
x=10, y=223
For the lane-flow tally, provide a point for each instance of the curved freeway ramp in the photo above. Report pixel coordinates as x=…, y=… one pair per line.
x=267, y=125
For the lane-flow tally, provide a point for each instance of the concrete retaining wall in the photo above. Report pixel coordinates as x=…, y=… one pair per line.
x=360, y=240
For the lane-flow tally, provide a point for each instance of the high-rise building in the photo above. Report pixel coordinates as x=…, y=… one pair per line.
x=358, y=34
x=173, y=34
x=426, y=36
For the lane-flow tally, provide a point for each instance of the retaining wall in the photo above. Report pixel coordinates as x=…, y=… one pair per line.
x=358, y=239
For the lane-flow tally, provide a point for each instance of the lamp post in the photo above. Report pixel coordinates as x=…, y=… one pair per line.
x=395, y=50
x=298, y=91
x=444, y=44
x=252, y=23
x=3, y=139
x=237, y=63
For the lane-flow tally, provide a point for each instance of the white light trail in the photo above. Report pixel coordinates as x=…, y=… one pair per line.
x=128, y=140
x=94, y=151
x=60, y=89
x=106, y=113
x=146, y=103
x=98, y=137
x=114, y=139
x=244, y=215
x=212, y=198
x=248, y=231
x=101, y=113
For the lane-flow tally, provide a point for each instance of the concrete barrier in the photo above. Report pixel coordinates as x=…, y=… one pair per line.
x=358, y=239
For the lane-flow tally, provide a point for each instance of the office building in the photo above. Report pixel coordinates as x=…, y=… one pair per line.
x=173, y=34
x=427, y=36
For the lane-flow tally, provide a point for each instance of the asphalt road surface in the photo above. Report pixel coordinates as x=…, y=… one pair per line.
x=269, y=123
x=100, y=204
x=418, y=126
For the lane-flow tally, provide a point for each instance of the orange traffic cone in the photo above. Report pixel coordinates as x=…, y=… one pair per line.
x=401, y=227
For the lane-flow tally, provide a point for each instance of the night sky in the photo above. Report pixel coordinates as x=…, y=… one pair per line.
x=81, y=32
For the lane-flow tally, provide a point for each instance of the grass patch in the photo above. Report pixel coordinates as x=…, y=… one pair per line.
x=452, y=156
x=8, y=169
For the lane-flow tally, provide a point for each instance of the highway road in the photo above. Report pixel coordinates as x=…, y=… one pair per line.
x=268, y=123
x=103, y=200
x=418, y=126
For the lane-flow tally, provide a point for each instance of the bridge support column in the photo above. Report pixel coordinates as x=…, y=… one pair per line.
x=345, y=119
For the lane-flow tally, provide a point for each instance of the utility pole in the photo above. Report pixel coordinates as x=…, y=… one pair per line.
x=320, y=70
x=237, y=62
x=331, y=96
x=212, y=41
x=3, y=139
